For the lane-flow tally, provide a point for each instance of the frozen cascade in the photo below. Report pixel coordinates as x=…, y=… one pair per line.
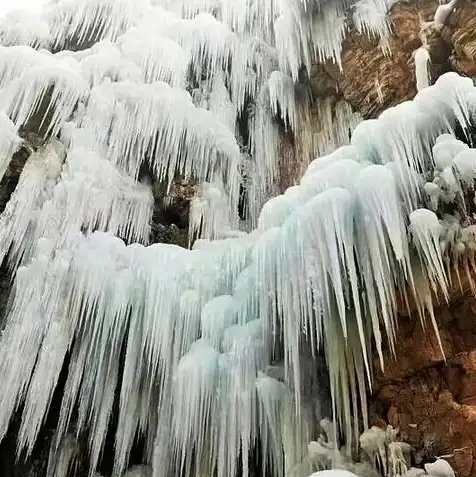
x=187, y=339
x=228, y=47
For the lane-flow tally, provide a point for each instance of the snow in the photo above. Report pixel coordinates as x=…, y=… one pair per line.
x=21, y=5
x=333, y=473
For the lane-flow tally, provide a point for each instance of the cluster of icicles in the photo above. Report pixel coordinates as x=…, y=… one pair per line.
x=187, y=337
x=189, y=341
x=234, y=60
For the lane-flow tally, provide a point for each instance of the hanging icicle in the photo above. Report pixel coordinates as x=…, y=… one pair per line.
x=422, y=63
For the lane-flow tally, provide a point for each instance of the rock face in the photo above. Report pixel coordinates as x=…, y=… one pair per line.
x=372, y=79
x=433, y=401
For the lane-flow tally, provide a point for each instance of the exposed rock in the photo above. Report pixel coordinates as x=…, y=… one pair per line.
x=461, y=33
x=431, y=401
x=373, y=79
x=171, y=213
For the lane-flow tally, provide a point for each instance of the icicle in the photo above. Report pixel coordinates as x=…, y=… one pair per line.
x=373, y=443
x=328, y=32
x=371, y=17
x=465, y=165
x=450, y=91
x=217, y=315
x=80, y=22
x=422, y=62
x=220, y=103
x=445, y=150
x=104, y=60
x=281, y=96
x=211, y=213
x=92, y=195
x=9, y=142
x=37, y=288
x=280, y=428
x=291, y=43
x=384, y=228
x=263, y=169
x=275, y=212
x=154, y=118
x=194, y=391
x=159, y=58
x=426, y=231
x=15, y=59
x=63, y=462
x=58, y=83
x=245, y=354
x=35, y=187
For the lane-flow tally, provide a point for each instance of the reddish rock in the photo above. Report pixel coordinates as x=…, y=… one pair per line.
x=373, y=80
x=431, y=401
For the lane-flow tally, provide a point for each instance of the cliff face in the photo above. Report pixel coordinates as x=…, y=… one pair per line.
x=373, y=79
x=431, y=401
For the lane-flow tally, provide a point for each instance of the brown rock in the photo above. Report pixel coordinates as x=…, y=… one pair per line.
x=463, y=38
x=431, y=401
x=462, y=460
x=373, y=80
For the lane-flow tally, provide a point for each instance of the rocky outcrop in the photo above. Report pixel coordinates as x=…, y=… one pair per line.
x=431, y=398
x=373, y=78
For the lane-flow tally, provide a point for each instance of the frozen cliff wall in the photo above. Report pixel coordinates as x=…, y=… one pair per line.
x=250, y=120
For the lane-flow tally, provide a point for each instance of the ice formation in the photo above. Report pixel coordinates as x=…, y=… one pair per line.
x=370, y=16
x=422, y=61
x=227, y=56
x=9, y=142
x=443, y=12
x=439, y=468
x=247, y=287
x=209, y=355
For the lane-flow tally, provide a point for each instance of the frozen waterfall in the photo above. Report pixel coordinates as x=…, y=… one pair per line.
x=234, y=350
